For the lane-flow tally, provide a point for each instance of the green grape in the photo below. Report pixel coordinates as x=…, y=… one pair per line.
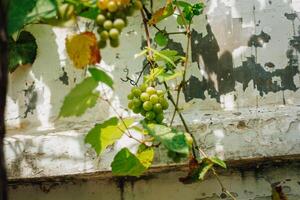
x=150, y=90
x=114, y=43
x=100, y=19
x=154, y=99
x=143, y=87
x=130, y=11
x=130, y=105
x=143, y=112
x=158, y=108
x=114, y=33
x=160, y=93
x=159, y=118
x=137, y=102
x=136, y=110
x=147, y=106
x=130, y=96
x=108, y=24
x=112, y=6
x=136, y=92
x=164, y=103
x=138, y=5
x=104, y=35
x=150, y=115
x=102, y=44
x=145, y=96
x=119, y=24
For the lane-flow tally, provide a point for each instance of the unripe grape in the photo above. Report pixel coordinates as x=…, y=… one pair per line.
x=158, y=108
x=119, y=24
x=137, y=110
x=154, y=99
x=138, y=5
x=100, y=19
x=114, y=33
x=130, y=96
x=159, y=118
x=150, y=90
x=160, y=93
x=164, y=103
x=150, y=115
x=102, y=44
x=112, y=6
x=130, y=105
x=147, y=106
x=137, y=102
x=108, y=24
x=143, y=112
x=144, y=87
x=104, y=35
x=145, y=96
x=136, y=92
x=114, y=43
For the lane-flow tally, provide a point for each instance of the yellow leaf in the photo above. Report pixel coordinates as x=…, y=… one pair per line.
x=162, y=13
x=83, y=49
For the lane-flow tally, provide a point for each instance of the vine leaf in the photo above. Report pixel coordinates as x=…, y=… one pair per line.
x=23, y=51
x=162, y=13
x=83, y=49
x=80, y=98
x=126, y=163
x=145, y=155
x=44, y=9
x=218, y=161
x=161, y=38
x=189, y=11
x=166, y=76
x=101, y=76
x=172, y=139
x=197, y=171
x=18, y=10
x=106, y=133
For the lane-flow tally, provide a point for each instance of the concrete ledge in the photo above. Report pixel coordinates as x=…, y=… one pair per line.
x=246, y=135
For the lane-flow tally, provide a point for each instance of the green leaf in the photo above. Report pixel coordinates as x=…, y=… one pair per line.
x=154, y=73
x=161, y=38
x=218, y=161
x=107, y=133
x=145, y=155
x=203, y=169
x=168, y=56
x=172, y=139
x=18, y=10
x=166, y=76
x=91, y=13
x=44, y=9
x=23, y=51
x=101, y=76
x=80, y=98
x=126, y=163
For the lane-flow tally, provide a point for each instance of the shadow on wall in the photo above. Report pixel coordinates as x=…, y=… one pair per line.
x=219, y=73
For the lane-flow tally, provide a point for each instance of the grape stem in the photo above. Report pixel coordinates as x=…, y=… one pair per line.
x=171, y=98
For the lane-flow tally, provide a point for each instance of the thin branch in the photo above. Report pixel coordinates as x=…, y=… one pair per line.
x=3, y=91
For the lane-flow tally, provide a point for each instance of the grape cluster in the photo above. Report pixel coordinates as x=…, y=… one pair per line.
x=149, y=102
x=113, y=18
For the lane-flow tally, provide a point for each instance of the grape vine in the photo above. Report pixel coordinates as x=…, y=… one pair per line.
x=146, y=98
